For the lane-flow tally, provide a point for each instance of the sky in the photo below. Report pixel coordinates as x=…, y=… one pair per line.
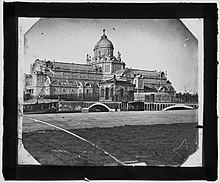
x=151, y=44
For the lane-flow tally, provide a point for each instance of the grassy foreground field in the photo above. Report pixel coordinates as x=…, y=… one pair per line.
x=152, y=144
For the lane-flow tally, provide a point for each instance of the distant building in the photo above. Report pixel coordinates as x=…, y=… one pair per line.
x=103, y=78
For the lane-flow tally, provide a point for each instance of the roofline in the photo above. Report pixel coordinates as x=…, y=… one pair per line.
x=71, y=63
x=143, y=70
x=63, y=62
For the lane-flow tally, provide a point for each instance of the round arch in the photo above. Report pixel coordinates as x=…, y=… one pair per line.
x=98, y=107
x=178, y=107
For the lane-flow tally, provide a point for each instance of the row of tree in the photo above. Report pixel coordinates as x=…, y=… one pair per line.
x=186, y=97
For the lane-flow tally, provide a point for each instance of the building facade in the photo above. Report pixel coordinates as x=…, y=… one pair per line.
x=104, y=77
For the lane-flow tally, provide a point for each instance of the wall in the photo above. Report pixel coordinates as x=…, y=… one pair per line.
x=63, y=106
x=41, y=107
x=153, y=97
x=116, y=94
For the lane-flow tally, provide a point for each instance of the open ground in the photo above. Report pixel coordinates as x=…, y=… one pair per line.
x=149, y=137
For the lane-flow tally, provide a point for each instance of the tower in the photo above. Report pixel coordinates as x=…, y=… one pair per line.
x=103, y=48
x=104, y=56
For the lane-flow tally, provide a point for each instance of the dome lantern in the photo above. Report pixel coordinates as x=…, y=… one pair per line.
x=103, y=35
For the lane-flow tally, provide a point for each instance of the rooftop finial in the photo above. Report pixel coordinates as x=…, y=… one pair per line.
x=103, y=36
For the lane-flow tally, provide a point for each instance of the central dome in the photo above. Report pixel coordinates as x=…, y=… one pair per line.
x=103, y=47
x=104, y=42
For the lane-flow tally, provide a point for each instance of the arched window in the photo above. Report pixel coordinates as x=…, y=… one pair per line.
x=107, y=93
x=122, y=92
x=111, y=92
x=88, y=85
x=102, y=92
x=80, y=84
x=135, y=82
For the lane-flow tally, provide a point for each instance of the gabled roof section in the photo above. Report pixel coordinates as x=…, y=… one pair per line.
x=72, y=83
x=150, y=87
x=116, y=81
x=119, y=72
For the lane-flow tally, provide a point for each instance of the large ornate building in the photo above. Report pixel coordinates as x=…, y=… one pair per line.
x=104, y=77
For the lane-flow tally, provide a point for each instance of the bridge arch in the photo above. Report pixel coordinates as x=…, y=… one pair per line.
x=98, y=107
x=178, y=107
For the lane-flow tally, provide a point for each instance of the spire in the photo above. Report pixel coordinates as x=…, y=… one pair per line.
x=104, y=36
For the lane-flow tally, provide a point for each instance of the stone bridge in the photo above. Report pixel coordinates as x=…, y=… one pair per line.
x=98, y=107
x=148, y=106
x=178, y=107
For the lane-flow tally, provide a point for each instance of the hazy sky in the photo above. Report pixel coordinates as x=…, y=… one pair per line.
x=151, y=44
